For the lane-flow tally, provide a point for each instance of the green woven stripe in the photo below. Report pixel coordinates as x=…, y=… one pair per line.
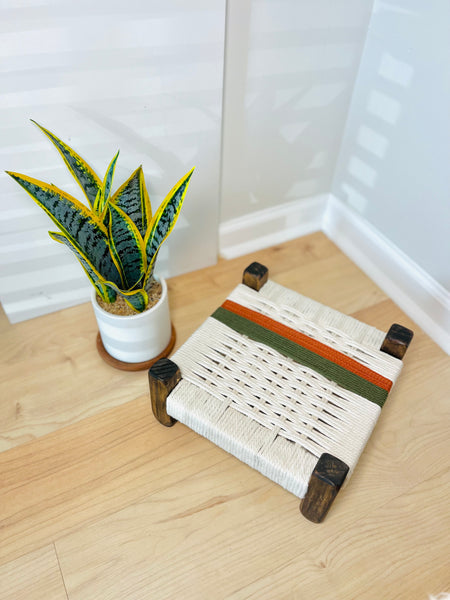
x=303, y=356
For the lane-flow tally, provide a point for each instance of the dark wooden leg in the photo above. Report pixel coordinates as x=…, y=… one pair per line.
x=397, y=341
x=255, y=276
x=163, y=376
x=325, y=482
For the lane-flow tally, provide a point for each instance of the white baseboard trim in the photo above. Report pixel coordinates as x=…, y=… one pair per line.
x=420, y=296
x=423, y=299
x=271, y=226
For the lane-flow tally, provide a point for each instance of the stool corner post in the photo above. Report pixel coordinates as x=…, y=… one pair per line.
x=255, y=276
x=397, y=341
x=324, y=484
x=163, y=377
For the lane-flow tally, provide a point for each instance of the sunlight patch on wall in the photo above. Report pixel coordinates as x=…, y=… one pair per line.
x=354, y=198
x=372, y=141
x=384, y=107
x=362, y=172
x=396, y=71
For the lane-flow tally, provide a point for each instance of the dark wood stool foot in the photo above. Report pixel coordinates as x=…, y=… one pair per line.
x=397, y=341
x=325, y=482
x=255, y=276
x=163, y=376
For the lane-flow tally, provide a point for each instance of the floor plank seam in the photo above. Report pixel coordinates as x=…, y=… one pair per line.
x=60, y=569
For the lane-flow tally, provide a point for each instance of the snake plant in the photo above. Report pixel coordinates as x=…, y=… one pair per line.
x=115, y=237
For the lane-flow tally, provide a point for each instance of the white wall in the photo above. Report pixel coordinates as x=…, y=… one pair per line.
x=394, y=164
x=289, y=75
x=145, y=77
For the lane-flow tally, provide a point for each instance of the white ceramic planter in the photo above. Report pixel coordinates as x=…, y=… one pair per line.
x=136, y=338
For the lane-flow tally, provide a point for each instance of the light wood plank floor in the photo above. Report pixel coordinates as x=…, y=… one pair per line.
x=98, y=501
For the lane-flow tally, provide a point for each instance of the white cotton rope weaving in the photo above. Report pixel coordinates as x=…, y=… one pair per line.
x=271, y=412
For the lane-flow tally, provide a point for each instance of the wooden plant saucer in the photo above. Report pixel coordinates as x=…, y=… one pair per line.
x=140, y=366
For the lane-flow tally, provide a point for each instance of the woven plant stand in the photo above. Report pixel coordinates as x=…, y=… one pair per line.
x=289, y=386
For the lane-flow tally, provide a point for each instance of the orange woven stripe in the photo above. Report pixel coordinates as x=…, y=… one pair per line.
x=307, y=342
